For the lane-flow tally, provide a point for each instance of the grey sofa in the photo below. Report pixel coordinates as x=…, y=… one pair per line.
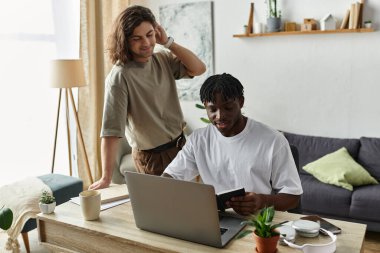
x=363, y=203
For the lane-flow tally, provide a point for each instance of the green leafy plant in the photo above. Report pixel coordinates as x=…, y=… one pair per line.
x=273, y=9
x=262, y=224
x=47, y=198
x=207, y=121
x=6, y=218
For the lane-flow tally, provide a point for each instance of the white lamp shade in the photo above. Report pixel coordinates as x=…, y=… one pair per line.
x=67, y=74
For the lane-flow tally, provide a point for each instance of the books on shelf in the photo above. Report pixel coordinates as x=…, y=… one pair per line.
x=360, y=20
x=354, y=16
x=344, y=24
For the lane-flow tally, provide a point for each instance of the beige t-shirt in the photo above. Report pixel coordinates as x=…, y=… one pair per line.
x=141, y=101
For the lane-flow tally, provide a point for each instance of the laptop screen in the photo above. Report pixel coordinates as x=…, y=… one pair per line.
x=180, y=209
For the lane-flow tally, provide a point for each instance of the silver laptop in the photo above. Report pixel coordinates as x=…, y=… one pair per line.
x=180, y=209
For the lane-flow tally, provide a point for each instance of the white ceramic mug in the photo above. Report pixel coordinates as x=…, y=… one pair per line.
x=90, y=204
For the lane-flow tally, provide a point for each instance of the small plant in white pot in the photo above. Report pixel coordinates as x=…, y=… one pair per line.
x=47, y=202
x=368, y=24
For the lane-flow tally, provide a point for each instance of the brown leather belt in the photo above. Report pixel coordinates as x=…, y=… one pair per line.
x=177, y=142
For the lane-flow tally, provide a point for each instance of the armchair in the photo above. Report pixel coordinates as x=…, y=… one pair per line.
x=124, y=162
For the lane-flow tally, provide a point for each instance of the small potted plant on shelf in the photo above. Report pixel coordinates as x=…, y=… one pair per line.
x=6, y=218
x=368, y=24
x=47, y=202
x=265, y=234
x=274, y=16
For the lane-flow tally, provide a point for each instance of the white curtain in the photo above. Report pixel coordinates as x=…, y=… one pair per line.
x=32, y=33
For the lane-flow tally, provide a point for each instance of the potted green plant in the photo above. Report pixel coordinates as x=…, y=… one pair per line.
x=200, y=106
x=274, y=17
x=6, y=218
x=368, y=24
x=47, y=202
x=265, y=234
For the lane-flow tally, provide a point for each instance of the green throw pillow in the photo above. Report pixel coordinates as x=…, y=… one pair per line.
x=340, y=169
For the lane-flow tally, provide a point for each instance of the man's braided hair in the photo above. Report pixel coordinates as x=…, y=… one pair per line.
x=225, y=84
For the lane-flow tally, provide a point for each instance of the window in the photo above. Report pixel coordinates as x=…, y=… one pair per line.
x=31, y=34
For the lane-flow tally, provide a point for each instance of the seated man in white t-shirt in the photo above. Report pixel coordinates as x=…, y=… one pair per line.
x=235, y=151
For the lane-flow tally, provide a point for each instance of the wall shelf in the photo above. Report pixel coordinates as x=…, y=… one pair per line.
x=361, y=30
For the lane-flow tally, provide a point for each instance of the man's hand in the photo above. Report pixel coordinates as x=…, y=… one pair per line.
x=252, y=202
x=100, y=184
x=161, y=36
x=246, y=205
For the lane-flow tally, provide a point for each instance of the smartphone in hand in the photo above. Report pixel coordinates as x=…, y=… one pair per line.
x=324, y=224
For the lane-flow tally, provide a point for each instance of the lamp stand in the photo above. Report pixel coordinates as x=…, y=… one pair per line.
x=68, y=132
x=56, y=130
x=69, y=93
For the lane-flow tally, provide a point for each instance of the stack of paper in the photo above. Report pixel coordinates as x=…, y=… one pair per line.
x=112, y=196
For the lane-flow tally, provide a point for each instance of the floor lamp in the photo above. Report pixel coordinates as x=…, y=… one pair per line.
x=66, y=74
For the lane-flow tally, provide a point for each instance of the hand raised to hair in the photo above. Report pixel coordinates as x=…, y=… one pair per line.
x=161, y=36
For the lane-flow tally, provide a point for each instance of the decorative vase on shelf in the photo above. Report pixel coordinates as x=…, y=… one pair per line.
x=273, y=24
x=274, y=17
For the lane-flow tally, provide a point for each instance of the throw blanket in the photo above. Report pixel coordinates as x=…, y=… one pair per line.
x=22, y=198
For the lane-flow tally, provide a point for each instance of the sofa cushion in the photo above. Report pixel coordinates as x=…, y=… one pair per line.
x=365, y=203
x=317, y=198
x=338, y=168
x=311, y=148
x=369, y=155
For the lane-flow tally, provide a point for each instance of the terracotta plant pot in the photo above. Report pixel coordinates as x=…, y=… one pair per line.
x=266, y=245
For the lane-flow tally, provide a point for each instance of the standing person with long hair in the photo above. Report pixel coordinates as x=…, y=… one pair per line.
x=141, y=100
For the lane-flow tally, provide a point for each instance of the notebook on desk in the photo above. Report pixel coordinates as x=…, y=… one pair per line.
x=180, y=209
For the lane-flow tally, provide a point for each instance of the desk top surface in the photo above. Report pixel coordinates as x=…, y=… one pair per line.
x=118, y=223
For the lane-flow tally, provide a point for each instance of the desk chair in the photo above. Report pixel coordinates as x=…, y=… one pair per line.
x=63, y=188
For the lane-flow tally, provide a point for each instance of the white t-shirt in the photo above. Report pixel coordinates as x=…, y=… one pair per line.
x=258, y=159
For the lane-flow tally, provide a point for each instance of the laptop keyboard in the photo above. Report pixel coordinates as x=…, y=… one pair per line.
x=223, y=230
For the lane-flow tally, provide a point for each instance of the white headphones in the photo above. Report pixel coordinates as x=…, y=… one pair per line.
x=316, y=248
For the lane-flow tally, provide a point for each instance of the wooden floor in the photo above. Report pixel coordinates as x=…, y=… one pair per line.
x=371, y=243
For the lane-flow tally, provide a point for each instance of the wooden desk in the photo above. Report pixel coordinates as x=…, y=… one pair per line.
x=115, y=231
